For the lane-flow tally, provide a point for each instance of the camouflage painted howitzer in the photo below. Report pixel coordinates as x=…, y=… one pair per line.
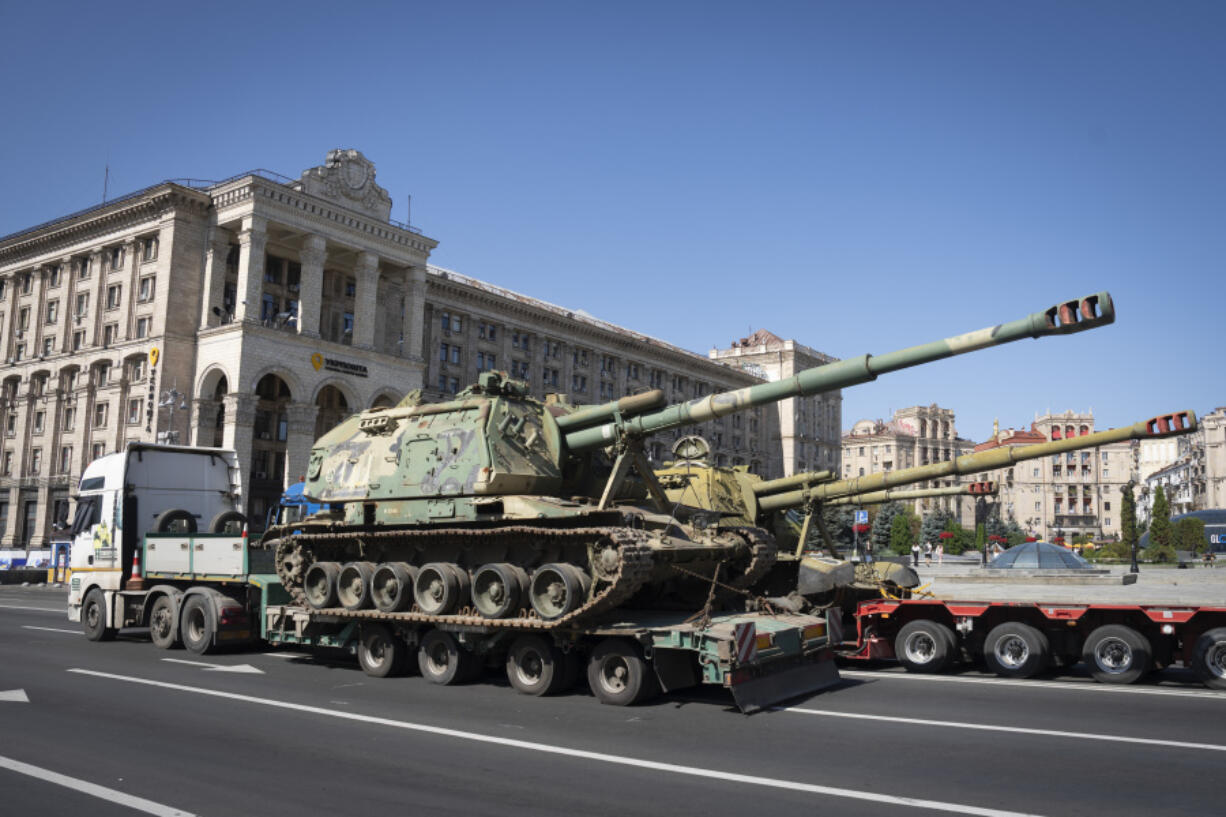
x=497, y=506
x=977, y=489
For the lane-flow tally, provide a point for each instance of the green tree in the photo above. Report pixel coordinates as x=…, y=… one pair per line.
x=1014, y=533
x=883, y=526
x=931, y=528
x=962, y=539
x=1128, y=525
x=900, y=534
x=1190, y=535
x=1161, y=534
x=838, y=520
x=981, y=536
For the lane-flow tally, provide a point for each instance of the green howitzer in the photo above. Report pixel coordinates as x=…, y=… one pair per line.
x=1165, y=425
x=1065, y=318
x=988, y=488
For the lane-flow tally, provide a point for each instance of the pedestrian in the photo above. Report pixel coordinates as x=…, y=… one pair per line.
x=940, y=553
x=915, y=552
x=928, y=554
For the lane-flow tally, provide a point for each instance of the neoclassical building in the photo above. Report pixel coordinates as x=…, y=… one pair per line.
x=256, y=312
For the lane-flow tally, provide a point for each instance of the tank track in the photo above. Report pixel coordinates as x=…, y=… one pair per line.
x=296, y=552
x=763, y=552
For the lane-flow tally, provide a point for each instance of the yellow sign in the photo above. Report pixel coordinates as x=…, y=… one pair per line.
x=317, y=360
x=153, y=356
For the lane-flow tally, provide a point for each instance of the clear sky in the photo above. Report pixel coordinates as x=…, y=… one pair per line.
x=860, y=176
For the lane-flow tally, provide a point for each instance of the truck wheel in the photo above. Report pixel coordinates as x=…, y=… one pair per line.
x=535, y=666
x=197, y=626
x=1016, y=650
x=93, y=617
x=1116, y=654
x=1209, y=658
x=443, y=661
x=162, y=624
x=231, y=522
x=619, y=675
x=380, y=653
x=319, y=585
x=391, y=587
x=176, y=520
x=353, y=585
x=924, y=645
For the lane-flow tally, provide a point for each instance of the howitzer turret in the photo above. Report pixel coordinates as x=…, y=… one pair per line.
x=498, y=506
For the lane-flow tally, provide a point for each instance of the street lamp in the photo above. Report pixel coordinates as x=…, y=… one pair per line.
x=172, y=398
x=1132, y=546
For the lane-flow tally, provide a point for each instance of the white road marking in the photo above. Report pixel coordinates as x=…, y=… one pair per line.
x=93, y=789
x=1087, y=686
x=288, y=654
x=52, y=629
x=15, y=696
x=63, y=610
x=1022, y=730
x=243, y=668
x=619, y=760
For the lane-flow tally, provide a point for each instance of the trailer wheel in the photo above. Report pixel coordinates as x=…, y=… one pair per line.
x=231, y=522
x=176, y=520
x=535, y=666
x=1116, y=654
x=924, y=645
x=162, y=629
x=197, y=625
x=619, y=675
x=443, y=661
x=93, y=617
x=1209, y=658
x=1016, y=650
x=380, y=653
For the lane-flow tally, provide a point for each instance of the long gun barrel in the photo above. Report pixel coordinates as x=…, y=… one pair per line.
x=1165, y=425
x=988, y=488
x=772, y=486
x=1064, y=318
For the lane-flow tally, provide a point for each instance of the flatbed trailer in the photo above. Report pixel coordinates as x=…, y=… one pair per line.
x=206, y=592
x=1118, y=643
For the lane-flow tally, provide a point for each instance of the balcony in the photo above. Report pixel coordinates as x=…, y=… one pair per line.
x=1075, y=520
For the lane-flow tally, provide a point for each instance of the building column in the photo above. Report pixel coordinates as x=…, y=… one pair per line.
x=300, y=437
x=251, y=242
x=9, y=537
x=313, y=255
x=127, y=296
x=38, y=312
x=97, y=269
x=238, y=431
x=64, y=321
x=203, y=421
x=215, y=276
x=38, y=538
x=366, y=302
x=412, y=326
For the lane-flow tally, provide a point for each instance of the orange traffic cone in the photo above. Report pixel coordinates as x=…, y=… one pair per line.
x=136, y=581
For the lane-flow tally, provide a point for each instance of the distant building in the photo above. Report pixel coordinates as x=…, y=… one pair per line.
x=1213, y=427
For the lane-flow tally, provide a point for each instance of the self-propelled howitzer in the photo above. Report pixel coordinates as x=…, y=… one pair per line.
x=498, y=507
x=981, y=489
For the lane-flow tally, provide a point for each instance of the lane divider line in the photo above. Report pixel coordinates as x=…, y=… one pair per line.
x=1021, y=730
x=619, y=760
x=1088, y=686
x=52, y=629
x=93, y=789
x=63, y=610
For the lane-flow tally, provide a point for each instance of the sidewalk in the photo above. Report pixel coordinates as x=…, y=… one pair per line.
x=1154, y=585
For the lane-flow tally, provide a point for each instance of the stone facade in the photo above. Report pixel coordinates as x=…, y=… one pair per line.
x=1213, y=427
x=914, y=436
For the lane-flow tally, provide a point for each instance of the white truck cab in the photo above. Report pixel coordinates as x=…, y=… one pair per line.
x=145, y=488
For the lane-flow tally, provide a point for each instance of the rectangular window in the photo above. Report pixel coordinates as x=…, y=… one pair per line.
x=115, y=255
x=142, y=327
x=148, y=249
x=78, y=340
x=70, y=418
x=97, y=450
x=445, y=321
x=137, y=371
x=36, y=461
x=19, y=352
x=53, y=311
x=53, y=276
x=82, y=304
x=40, y=418
x=66, y=459
x=455, y=354
x=49, y=346
x=7, y=470
x=134, y=410
x=268, y=308
x=443, y=349
x=145, y=293
x=100, y=412
x=351, y=287
x=347, y=327
x=27, y=283
x=103, y=374
x=442, y=382
x=110, y=333
x=114, y=295
x=83, y=268
x=23, y=318
x=272, y=269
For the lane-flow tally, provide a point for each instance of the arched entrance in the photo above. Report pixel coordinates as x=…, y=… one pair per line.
x=269, y=434
x=333, y=407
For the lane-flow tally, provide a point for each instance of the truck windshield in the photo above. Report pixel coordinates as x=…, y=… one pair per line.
x=89, y=513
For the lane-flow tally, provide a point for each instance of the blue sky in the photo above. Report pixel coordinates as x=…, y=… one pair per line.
x=859, y=176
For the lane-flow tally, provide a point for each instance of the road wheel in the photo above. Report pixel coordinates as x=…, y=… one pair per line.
x=176, y=520
x=353, y=585
x=1016, y=650
x=924, y=646
x=557, y=589
x=197, y=626
x=391, y=587
x=498, y=589
x=380, y=653
x=535, y=666
x=1116, y=654
x=319, y=585
x=162, y=624
x=1209, y=658
x=439, y=588
x=619, y=675
x=93, y=617
x=231, y=522
x=443, y=661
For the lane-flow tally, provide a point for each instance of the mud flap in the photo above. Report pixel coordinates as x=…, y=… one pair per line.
x=769, y=689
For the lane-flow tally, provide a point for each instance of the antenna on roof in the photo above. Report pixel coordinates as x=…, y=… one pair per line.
x=106, y=179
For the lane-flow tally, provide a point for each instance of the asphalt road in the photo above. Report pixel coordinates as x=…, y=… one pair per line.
x=313, y=735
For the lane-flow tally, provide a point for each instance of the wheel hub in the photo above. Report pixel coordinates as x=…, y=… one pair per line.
x=1012, y=651
x=1113, y=655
